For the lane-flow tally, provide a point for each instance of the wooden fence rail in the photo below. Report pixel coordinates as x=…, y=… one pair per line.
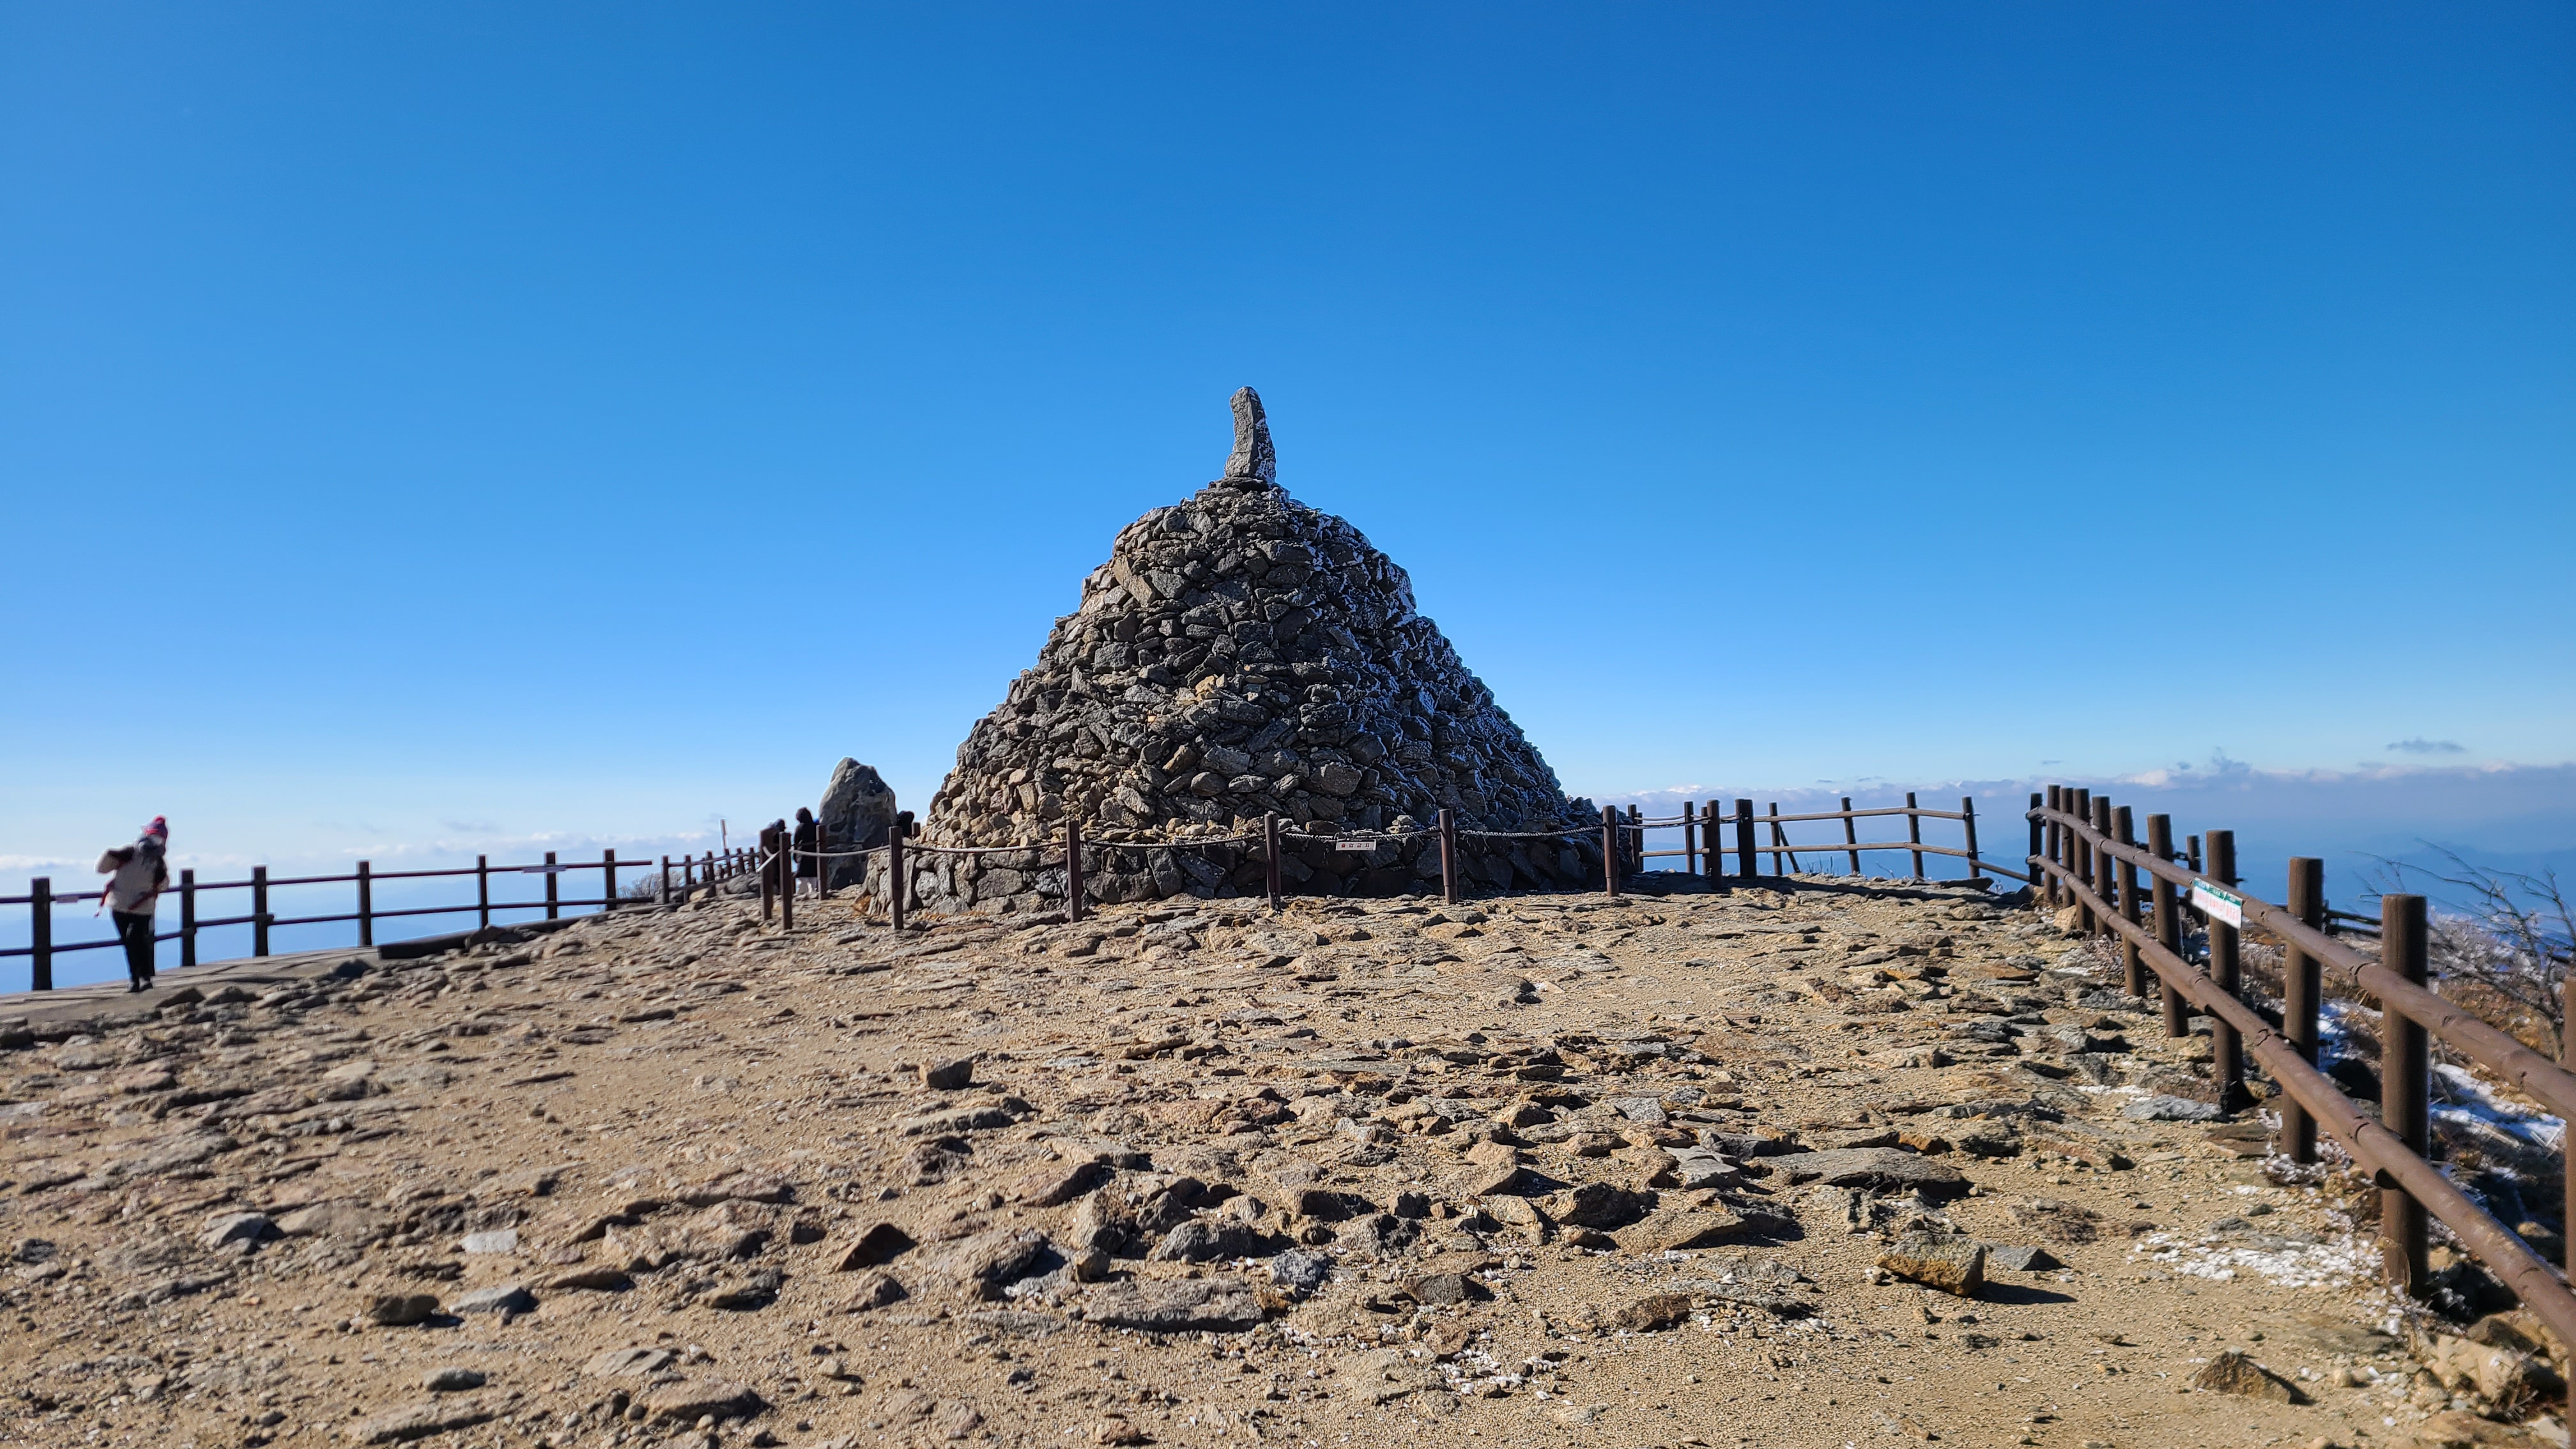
x=2087, y=856
x=41, y=901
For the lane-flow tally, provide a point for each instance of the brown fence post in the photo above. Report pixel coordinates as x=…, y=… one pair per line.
x=2226, y=968
x=899, y=885
x=786, y=877
x=1744, y=864
x=187, y=918
x=366, y=907
x=1851, y=835
x=2038, y=837
x=768, y=877
x=2080, y=854
x=608, y=874
x=1072, y=867
x=259, y=910
x=2053, y=841
x=662, y=890
x=1914, y=832
x=2097, y=869
x=1690, y=837
x=554, y=908
x=1448, y=855
x=483, y=892
x=2405, y=1093
x=40, y=934
x=2124, y=829
x=2193, y=864
x=1778, y=838
x=2161, y=891
x=1270, y=876
x=2302, y=988
x=1968, y=819
x=1712, y=838
x=1610, y=850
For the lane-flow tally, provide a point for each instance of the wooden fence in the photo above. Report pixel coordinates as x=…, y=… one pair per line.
x=41, y=901
x=2087, y=854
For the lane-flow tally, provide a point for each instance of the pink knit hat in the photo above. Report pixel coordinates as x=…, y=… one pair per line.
x=160, y=826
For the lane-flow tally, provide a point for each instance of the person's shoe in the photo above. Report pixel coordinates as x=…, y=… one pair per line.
x=132, y=987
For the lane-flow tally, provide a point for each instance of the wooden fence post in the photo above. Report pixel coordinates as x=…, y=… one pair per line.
x=608, y=874
x=483, y=892
x=1914, y=832
x=1448, y=855
x=1744, y=863
x=1270, y=875
x=1968, y=820
x=2079, y=856
x=187, y=918
x=2097, y=867
x=1851, y=835
x=554, y=907
x=259, y=910
x=786, y=877
x=1636, y=840
x=1610, y=850
x=1778, y=838
x=899, y=884
x=2124, y=829
x=2405, y=1093
x=2194, y=863
x=2055, y=843
x=1072, y=867
x=40, y=934
x=2030, y=863
x=1713, y=844
x=768, y=875
x=2226, y=968
x=366, y=907
x=2302, y=988
x=2168, y=913
x=662, y=890
x=1690, y=837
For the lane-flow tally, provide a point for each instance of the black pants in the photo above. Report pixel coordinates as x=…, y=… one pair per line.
x=136, y=932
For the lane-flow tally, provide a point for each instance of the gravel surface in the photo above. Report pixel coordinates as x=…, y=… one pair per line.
x=1831, y=1163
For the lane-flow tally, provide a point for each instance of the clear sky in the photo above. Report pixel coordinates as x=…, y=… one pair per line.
x=424, y=427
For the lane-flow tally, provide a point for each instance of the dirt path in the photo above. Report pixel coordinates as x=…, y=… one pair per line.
x=1551, y=1170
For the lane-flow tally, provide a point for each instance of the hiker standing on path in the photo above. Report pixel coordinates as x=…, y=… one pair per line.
x=808, y=839
x=138, y=873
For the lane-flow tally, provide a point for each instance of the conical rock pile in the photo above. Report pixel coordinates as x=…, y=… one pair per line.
x=1241, y=654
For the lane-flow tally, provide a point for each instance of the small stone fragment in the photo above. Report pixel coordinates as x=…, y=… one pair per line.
x=948, y=1076
x=879, y=1243
x=400, y=1310
x=1653, y=1313
x=452, y=1380
x=236, y=1228
x=2233, y=1373
x=1953, y=1264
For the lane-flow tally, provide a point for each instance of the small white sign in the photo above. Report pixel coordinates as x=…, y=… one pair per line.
x=1361, y=846
x=2217, y=903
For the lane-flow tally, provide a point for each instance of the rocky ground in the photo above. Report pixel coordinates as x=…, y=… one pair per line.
x=1819, y=1165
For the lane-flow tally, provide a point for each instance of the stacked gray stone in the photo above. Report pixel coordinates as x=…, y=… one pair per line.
x=1241, y=653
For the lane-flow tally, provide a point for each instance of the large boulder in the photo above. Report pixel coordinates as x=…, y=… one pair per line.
x=1242, y=654
x=857, y=814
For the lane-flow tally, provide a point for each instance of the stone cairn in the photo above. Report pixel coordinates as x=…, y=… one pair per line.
x=1242, y=654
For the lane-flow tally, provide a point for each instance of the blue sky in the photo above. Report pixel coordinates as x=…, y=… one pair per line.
x=442, y=429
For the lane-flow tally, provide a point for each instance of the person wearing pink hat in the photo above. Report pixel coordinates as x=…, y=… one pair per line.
x=137, y=874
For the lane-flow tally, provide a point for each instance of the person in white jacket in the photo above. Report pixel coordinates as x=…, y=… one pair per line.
x=137, y=874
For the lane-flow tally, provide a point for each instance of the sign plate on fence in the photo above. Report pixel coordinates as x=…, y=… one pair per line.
x=1363, y=847
x=2218, y=904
